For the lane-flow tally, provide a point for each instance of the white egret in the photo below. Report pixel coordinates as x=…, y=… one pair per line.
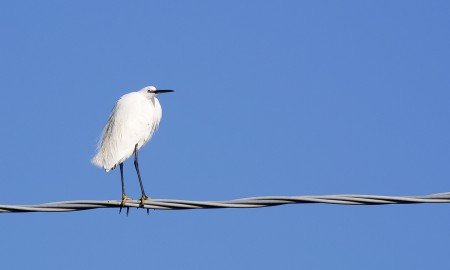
x=132, y=122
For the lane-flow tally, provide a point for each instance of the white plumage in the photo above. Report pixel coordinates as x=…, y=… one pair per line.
x=132, y=122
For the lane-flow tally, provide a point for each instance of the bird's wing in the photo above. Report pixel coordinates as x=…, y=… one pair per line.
x=129, y=123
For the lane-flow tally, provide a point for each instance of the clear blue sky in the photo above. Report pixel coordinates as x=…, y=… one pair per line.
x=272, y=98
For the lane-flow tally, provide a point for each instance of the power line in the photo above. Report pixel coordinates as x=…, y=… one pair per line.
x=253, y=202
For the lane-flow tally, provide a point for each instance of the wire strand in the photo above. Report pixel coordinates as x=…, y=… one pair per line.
x=253, y=202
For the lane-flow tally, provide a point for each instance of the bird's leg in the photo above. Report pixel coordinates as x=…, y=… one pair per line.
x=136, y=165
x=124, y=197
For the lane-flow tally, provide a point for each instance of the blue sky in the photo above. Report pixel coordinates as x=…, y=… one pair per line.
x=272, y=98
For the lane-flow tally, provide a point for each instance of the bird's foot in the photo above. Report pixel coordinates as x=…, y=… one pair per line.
x=143, y=199
x=122, y=204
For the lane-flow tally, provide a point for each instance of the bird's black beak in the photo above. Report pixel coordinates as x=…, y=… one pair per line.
x=162, y=91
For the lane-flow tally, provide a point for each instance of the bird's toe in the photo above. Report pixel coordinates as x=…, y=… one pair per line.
x=122, y=203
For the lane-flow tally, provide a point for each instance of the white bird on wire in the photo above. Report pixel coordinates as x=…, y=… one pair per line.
x=132, y=122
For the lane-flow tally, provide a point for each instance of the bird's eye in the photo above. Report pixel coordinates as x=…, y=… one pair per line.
x=149, y=91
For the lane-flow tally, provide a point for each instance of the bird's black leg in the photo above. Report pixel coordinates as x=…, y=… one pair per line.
x=124, y=197
x=136, y=165
x=121, y=178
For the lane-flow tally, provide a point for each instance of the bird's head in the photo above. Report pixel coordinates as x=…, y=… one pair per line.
x=151, y=91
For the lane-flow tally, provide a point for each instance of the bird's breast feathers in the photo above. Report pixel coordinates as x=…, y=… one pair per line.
x=133, y=120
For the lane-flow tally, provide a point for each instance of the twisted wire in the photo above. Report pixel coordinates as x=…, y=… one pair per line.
x=253, y=202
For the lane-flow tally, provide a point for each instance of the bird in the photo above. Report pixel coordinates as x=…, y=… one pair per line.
x=131, y=124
